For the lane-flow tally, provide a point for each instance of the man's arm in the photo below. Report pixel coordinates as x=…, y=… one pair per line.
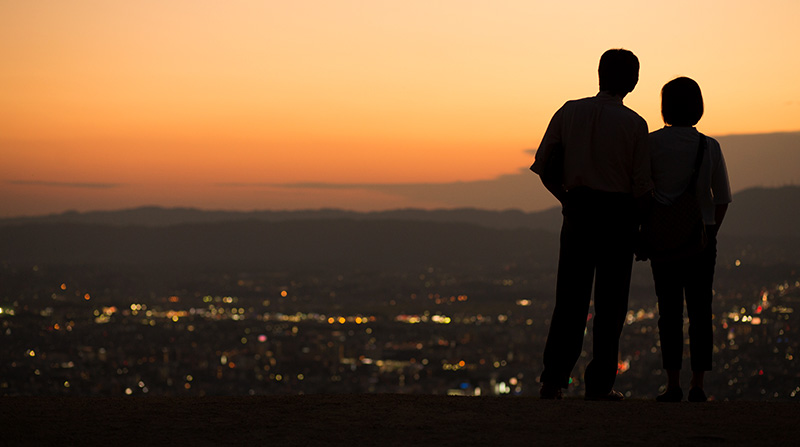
x=642, y=176
x=551, y=142
x=557, y=190
x=719, y=214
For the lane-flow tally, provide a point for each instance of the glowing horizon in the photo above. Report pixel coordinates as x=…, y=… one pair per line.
x=169, y=100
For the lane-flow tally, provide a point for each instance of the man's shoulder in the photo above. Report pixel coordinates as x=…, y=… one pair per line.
x=628, y=118
x=618, y=108
x=581, y=102
x=630, y=113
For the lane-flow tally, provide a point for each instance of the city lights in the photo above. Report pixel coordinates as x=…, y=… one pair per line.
x=433, y=342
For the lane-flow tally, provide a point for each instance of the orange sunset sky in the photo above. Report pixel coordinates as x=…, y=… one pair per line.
x=350, y=104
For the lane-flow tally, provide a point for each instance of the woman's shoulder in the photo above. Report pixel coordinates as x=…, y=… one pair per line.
x=713, y=144
x=710, y=139
x=675, y=132
x=659, y=137
x=670, y=137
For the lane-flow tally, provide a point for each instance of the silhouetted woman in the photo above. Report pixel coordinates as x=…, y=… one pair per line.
x=673, y=151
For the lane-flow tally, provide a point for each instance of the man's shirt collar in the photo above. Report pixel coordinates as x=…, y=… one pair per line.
x=609, y=97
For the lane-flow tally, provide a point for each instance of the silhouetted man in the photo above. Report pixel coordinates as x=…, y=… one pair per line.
x=605, y=167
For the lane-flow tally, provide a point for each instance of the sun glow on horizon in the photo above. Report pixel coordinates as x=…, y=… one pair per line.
x=167, y=100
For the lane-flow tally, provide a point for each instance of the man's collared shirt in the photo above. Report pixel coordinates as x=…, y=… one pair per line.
x=605, y=145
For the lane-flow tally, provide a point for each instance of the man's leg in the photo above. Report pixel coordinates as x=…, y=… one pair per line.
x=573, y=293
x=612, y=285
x=615, y=232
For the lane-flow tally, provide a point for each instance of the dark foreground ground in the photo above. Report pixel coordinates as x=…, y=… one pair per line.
x=389, y=420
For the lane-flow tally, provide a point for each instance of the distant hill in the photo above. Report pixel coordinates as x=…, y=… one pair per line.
x=768, y=212
x=322, y=242
x=160, y=217
x=762, y=218
x=153, y=216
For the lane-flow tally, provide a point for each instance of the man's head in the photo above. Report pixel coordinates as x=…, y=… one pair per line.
x=681, y=102
x=618, y=72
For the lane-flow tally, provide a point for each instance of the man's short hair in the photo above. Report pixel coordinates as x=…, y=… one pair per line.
x=618, y=71
x=681, y=102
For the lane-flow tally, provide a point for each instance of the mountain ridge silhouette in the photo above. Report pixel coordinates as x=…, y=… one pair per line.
x=760, y=221
x=755, y=211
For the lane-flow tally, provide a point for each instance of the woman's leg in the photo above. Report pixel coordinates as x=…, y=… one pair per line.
x=668, y=279
x=673, y=378
x=697, y=379
x=669, y=290
x=699, y=293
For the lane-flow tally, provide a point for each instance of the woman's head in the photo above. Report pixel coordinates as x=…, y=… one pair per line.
x=681, y=102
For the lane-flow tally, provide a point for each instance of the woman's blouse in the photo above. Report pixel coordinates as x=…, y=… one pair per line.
x=672, y=157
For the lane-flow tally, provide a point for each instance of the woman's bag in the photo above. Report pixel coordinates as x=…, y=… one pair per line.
x=677, y=230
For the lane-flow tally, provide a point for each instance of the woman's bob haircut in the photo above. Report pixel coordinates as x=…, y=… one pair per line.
x=681, y=102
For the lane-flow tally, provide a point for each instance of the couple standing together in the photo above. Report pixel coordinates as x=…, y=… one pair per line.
x=613, y=170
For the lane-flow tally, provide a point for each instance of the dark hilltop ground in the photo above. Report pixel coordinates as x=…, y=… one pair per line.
x=389, y=420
